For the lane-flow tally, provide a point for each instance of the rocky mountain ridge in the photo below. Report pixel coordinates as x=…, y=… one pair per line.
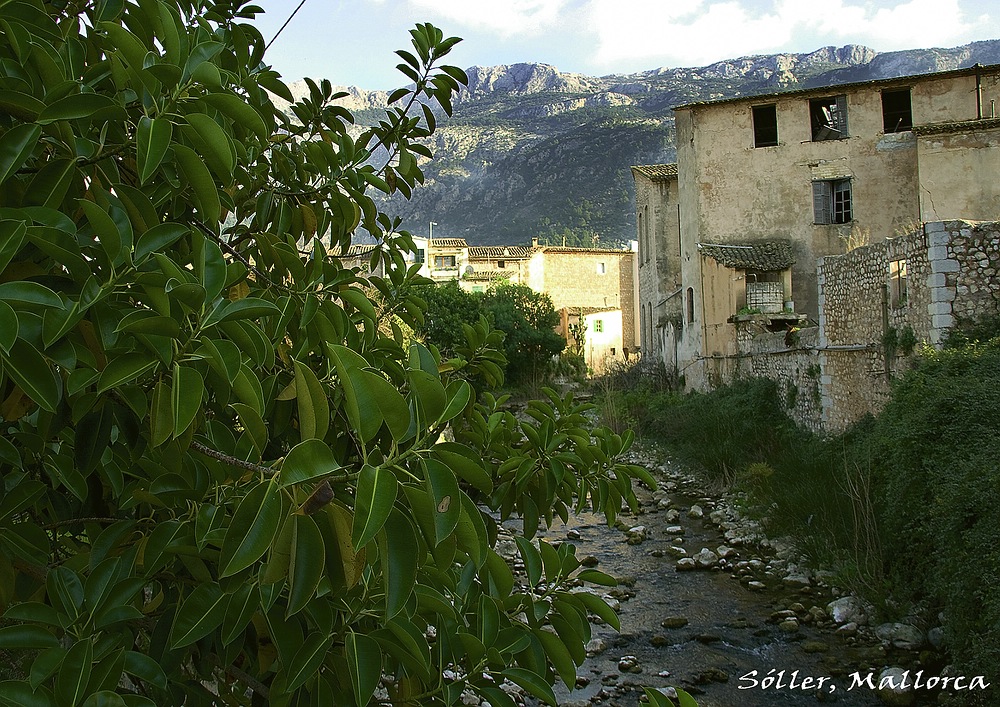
x=535, y=152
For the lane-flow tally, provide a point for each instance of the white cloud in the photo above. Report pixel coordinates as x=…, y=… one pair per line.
x=505, y=17
x=694, y=32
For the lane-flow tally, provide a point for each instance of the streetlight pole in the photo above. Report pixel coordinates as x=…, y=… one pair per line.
x=430, y=235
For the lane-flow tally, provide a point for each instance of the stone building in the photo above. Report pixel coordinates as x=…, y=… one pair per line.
x=876, y=304
x=441, y=259
x=821, y=170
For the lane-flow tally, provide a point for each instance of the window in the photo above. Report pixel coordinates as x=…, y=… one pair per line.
x=897, y=283
x=598, y=326
x=828, y=117
x=832, y=201
x=896, y=114
x=444, y=261
x=765, y=126
x=421, y=255
x=501, y=264
x=690, y=304
x=601, y=268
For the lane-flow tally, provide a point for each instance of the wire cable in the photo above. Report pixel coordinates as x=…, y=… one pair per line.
x=281, y=29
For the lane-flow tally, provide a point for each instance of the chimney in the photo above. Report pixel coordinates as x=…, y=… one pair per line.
x=534, y=242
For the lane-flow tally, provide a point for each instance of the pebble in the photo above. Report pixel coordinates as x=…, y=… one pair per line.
x=674, y=622
x=686, y=563
x=696, y=512
x=674, y=530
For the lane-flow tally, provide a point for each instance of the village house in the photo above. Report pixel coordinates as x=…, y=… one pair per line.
x=595, y=287
x=764, y=186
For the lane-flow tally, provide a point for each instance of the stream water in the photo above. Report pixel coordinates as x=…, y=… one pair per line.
x=707, y=631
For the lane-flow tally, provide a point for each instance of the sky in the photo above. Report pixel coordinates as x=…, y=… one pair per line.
x=351, y=42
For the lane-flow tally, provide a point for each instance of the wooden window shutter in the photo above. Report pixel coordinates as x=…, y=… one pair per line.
x=842, y=116
x=822, y=202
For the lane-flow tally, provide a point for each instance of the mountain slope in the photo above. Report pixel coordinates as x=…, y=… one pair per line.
x=535, y=152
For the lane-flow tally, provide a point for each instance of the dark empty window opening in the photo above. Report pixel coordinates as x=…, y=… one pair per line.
x=897, y=282
x=501, y=264
x=896, y=114
x=832, y=201
x=765, y=126
x=690, y=304
x=828, y=117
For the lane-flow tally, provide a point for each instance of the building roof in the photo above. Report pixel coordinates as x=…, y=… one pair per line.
x=500, y=252
x=449, y=243
x=656, y=172
x=961, y=126
x=826, y=88
x=571, y=249
x=765, y=256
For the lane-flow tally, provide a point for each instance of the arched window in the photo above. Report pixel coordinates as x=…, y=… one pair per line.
x=690, y=304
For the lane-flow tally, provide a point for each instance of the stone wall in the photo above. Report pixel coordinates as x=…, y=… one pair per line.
x=870, y=321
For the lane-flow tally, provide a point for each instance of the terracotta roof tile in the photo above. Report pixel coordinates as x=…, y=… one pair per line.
x=657, y=172
x=449, y=243
x=500, y=252
x=766, y=256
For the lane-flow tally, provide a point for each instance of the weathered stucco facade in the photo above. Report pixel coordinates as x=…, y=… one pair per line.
x=823, y=169
x=658, y=235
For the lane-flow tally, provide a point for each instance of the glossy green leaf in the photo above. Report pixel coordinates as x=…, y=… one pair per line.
x=447, y=504
x=33, y=374
x=246, y=308
x=311, y=401
x=243, y=603
x=459, y=459
x=376, y=493
x=11, y=238
x=254, y=424
x=74, y=673
x=146, y=669
x=598, y=606
x=25, y=292
x=187, y=390
x=16, y=145
x=306, y=564
x=238, y=111
x=364, y=661
x=597, y=577
x=532, y=683
x=152, y=138
x=157, y=238
x=398, y=550
x=161, y=416
x=124, y=369
x=531, y=558
x=252, y=529
x=104, y=698
x=201, y=613
x=8, y=327
x=306, y=461
x=18, y=693
x=104, y=228
x=215, y=145
x=459, y=395
x=80, y=105
x=561, y=660
x=307, y=660
x=204, y=190
x=26, y=637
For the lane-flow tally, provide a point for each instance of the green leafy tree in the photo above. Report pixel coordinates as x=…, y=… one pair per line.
x=223, y=478
x=526, y=318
